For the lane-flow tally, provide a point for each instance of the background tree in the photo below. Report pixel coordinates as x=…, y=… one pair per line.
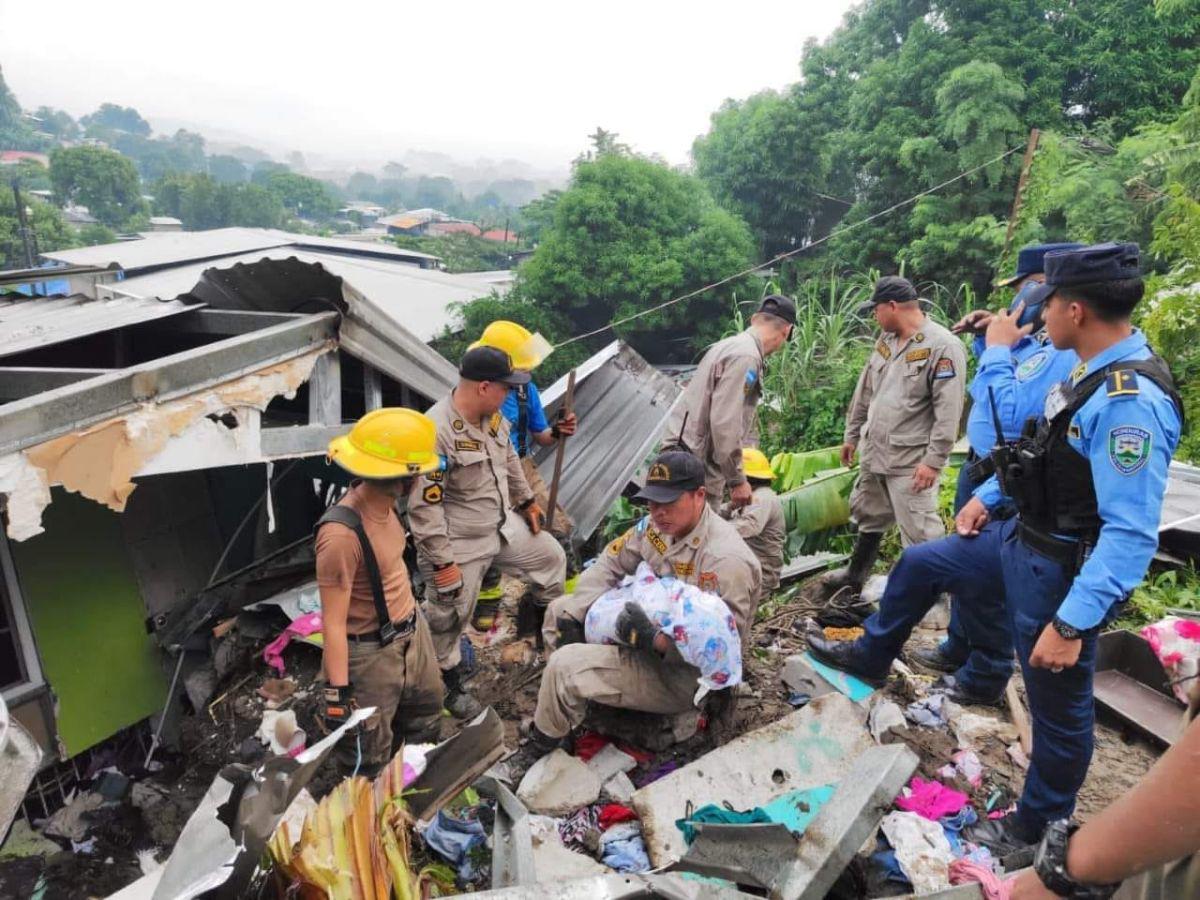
x=49, y=230
x=102, y=180
x=111, y=118
x=29, y=174
x=228, y=169
x=57, y=123
x=362, y=185
x=305, y=197
x=15, y=132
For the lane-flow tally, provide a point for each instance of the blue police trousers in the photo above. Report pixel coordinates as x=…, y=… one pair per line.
x=1033, y=586
x=982, y=648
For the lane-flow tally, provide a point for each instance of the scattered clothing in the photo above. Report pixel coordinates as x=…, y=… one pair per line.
x=886, y=860
x=721, y=816
x=453, y=839
x=931, y=799
x=922, y=851
x=701, y=625
x=963, y=871
x=589, y=743
x=953, y=826
x=655, y=772
x=966, y=765
x=626, y=856
x=302, y=627
x=614, y=813
x=1176, y=643
x=930, y=712
x=577, y=829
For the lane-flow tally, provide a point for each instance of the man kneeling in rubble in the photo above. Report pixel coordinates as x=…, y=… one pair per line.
x=378, y=650
x=683, y=538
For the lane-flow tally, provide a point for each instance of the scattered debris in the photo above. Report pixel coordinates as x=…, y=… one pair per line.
x=618, y=789
x=922, y=850
x=20, y=757
x=277, y=690
x=557, y=784
x=23, y=842
x=610, y=761
x=70, y=822
x=934, y=711
x=886, y=721
x=280, y=732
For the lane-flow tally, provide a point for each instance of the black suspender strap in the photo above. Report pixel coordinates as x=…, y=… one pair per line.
x=522, y=421
x=344, y=515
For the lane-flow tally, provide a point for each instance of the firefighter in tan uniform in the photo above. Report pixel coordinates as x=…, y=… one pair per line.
x=903, y=421
x=716, y=416
x=681, y=537
x=761, y=522
x=479, y=512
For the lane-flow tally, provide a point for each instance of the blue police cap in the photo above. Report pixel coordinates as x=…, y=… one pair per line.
x=1030, y=260
x=1087, y=265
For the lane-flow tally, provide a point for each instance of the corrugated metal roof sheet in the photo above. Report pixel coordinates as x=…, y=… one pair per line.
x=417, y=298
x=622, y=403
x=31, y=322
x=156, y=250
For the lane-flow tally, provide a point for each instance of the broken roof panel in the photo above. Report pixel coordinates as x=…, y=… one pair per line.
x=27, y=323
x=622, y=403
x=160, y=249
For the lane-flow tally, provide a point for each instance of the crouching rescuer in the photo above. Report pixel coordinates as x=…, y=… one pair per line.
x=682, y=538
x=378, y=651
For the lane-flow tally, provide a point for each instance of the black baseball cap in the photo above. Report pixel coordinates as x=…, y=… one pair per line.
x=491, y=364
x=671, y=474
x=779, y=306
x=891, y=288
x=1087, y=265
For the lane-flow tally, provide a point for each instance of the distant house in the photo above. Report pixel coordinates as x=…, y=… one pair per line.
x=12, y=157
x=440, y=229
x=165, y=223
x=361, y=212
x=501, y=236
x=414, y=221
x=78, y=216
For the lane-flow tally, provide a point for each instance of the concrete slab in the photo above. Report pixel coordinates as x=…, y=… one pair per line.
x=811, y=748
x=558, y=784
x=806, y=674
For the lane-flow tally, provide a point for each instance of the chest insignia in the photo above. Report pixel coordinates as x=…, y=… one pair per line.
x=465, y=444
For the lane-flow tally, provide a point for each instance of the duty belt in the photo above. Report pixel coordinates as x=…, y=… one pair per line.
x=400, y=629
x=1071, y=554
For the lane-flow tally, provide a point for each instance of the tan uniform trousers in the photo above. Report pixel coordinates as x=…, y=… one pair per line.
x=880, y=501
x=613, y=676
x=403, y=681
x=536, y=559
x=562, y=524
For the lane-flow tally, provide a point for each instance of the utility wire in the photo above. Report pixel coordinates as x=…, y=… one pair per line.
x=790, y=253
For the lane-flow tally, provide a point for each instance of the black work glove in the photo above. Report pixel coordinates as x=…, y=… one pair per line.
x=339, y=706
x=635, y=629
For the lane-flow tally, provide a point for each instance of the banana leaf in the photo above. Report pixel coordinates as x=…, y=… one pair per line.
x=814, y=510
x=793, y=469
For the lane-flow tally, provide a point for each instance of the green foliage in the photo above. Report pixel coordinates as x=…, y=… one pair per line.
x=228, y=169
x=94, y=235
x=111, y=118
x=15, y=132
x=815, y=494
x=303, y=196
x=29, y=174
x=1160, y=593
x=102, y=180
x=161, y=156
x=56, y=123
x=460, y=252
x=622, y=516
x=50, y=230
x=793, y=469
x=630, y=233
x=201, y=202
x=1171, y=320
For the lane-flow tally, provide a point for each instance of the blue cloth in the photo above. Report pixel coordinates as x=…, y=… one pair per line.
x=953, y=826
x=453, y=839
x=1019, y=378
x=1128, y=439
x=628, y=855
x=536, y=423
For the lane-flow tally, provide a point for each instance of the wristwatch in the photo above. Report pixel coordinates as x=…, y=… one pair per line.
x=1065, y=631
x=1050, y=863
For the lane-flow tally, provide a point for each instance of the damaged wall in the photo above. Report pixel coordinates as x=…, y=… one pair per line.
x=100, y=462
x=86, y=613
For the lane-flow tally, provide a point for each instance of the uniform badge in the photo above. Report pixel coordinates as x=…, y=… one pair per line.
x=468, y=445
x=1033, y=365
x=919, y=337
x=708, y=582
x=1122, y=383
x=458, y=424
x=883, y=350
x=1073, y=431
x=432, y=494
x=618, y=545
x=1129, y=448
x=944, y=368
x=659, y=472
x=751, y=382
x=437, y=477
x=684, y=570
x=917, y=355
x=1078, y=372
x=656, y=541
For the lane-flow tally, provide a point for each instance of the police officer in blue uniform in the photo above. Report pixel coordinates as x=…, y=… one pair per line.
x=1010, y=386
x=1087, y=479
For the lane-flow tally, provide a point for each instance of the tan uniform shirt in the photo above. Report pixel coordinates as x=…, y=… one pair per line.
x=908, y=402
x=459, y=515
x=719, y=403
x=712, y=556
x=340, y=564
x=761, y=525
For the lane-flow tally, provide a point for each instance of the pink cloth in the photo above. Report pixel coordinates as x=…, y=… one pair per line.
x=302, y=627
x=931, y=799
x=1176, y=643
x=963, y=871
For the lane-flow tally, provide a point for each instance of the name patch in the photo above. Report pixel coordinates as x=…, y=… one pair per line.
x=466, y=444
x=917, y=355
x=1129, y=448
x=656, y=540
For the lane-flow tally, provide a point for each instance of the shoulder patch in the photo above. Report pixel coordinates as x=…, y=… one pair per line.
x=1034, y=364
x=494, y=424
x=1129, y=448
x=917, y=355
x=466, y=444
x=944, y=368
x=1078, y=372
x=751, y=384
x=458, y=425
x=883, y=349
x=615, y=548
x=919, y=337
x=432, y=494
x=708, y=582
x=1122, y=383
x=656, y=540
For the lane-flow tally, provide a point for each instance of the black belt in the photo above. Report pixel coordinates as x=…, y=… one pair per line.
x=1069, y=553
x=402, y=628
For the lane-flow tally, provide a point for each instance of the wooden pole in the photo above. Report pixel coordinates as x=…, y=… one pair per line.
x=560, y=450
x=1020, y=717
x=1026, y=163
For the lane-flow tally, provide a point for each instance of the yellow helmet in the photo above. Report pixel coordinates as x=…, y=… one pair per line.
x=526, y=349
x=756, y=465
x=392, y=442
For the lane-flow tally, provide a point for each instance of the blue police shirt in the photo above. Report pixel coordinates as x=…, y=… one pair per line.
x=1128, y=436
x=1019, y=377
x=537, y=415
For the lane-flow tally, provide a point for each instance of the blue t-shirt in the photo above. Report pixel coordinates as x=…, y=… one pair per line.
x=536, y=422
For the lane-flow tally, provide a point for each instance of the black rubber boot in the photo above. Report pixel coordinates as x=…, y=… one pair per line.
x=933, y=658
x=862, y=558
x=961, y=693
x=536, y=745
x=460, y=703
x=842, y=656
x=569, y=631
x=1006, y=838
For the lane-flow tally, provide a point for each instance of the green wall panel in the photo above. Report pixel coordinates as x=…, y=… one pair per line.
x=87, y=618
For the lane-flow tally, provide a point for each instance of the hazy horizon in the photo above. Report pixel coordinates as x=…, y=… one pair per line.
x=525, y=82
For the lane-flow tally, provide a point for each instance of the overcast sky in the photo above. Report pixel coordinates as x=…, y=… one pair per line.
x=369, y=80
